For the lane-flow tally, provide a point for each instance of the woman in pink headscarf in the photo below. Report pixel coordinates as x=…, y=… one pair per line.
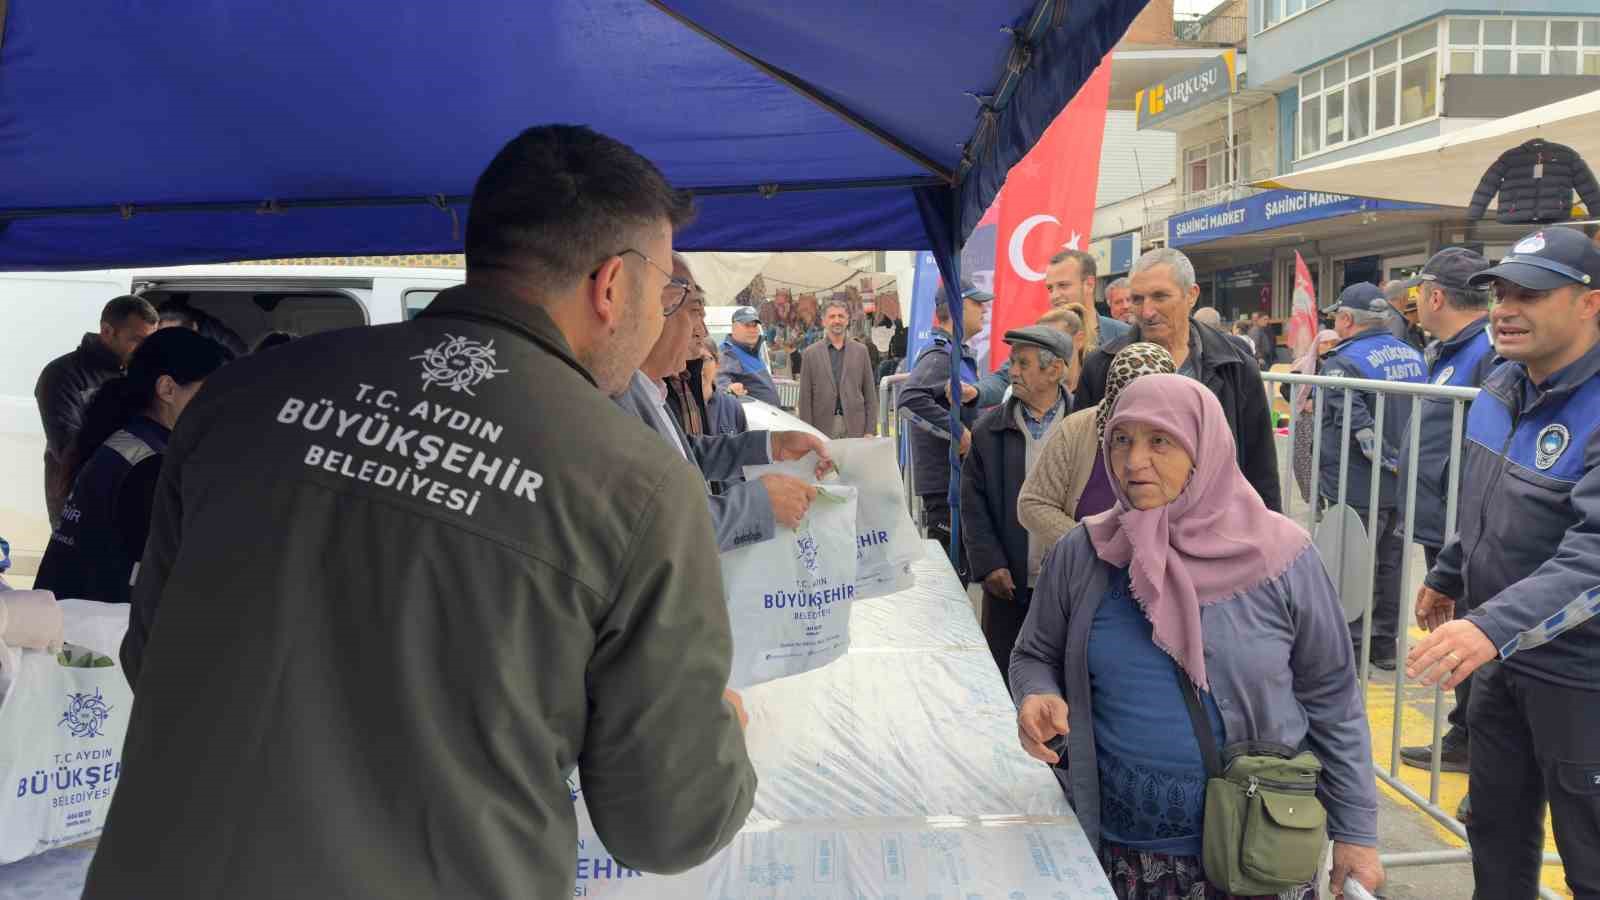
x=1189, y=577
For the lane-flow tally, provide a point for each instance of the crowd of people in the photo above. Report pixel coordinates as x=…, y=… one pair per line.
x=411, y=607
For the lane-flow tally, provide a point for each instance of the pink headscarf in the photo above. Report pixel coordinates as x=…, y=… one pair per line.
x=1214, y=541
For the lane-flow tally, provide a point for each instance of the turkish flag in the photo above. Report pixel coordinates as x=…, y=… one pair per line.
x=1047, y=205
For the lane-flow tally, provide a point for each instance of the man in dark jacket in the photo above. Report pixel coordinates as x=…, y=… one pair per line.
x=1262, y=343
x=1164, y=293
x=925, y=401
x=410, y=577
x=744, y=372
x=1525, y=564
x=67, y=383
x=1005, y=442
x=1367, y=350
x=1457, y=315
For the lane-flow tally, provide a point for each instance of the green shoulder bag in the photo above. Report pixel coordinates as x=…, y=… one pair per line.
x=1264, y=829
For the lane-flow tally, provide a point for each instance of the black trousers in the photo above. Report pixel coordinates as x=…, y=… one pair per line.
x=1458, y=716
x=1532, y=742
x=1387, y=566
x=936, y=520
x=1002, y=622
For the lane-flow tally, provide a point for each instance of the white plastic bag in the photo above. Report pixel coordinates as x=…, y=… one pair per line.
x=789, y=598
x=61, y=731
x=887, y=542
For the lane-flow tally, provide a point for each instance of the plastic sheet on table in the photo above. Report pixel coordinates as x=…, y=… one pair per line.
x=948, y=859
x=933, y=615
x=919, y=734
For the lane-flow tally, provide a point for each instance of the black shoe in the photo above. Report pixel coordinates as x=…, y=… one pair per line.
x=1464, y=811
x=1383, y=663
x=1452, y=757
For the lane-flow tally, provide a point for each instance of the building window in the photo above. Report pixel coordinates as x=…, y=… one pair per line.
x=1208, y=172
x=1524, y=46
x=1391, y=85
x=1275, y=11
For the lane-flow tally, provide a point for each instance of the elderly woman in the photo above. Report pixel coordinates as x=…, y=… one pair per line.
x=1188, y=579
x=1069, y=481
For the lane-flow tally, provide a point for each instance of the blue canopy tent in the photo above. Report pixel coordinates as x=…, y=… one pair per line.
x=170, y=131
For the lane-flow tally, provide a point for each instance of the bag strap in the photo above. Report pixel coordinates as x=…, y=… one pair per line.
x=1202, y=725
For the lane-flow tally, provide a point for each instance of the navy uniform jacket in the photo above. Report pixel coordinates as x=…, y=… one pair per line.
x=923, y=397
x=1528, y=544
x=1462, y=361
x=1374, y=354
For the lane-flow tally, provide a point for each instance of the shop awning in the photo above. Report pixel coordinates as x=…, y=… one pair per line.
x=1445, y=170
x=171, y=132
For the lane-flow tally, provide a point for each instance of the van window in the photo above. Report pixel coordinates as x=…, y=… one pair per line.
x=417, y=300
x=252, y=314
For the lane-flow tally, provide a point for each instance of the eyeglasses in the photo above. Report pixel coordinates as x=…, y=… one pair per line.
x=673, y=296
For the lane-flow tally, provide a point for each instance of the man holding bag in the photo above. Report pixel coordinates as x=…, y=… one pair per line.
x=410, y=577
x=745, y=512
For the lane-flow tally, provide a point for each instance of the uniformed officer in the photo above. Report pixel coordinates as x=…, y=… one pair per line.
x=1525, y=564
x=1460, y=355
x=925, y=398
x=1368, y=350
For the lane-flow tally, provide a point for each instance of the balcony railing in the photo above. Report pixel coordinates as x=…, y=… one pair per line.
x=1230, y=30
x=1222, y=193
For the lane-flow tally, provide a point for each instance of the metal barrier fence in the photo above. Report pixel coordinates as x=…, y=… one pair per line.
x=1343, y=391
x=891, y=423
x=788, y=393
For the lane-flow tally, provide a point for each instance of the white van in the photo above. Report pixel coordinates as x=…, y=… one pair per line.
x=45, y=314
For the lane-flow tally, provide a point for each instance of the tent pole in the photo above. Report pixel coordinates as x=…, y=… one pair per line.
x=958, y=305
x=805, y=90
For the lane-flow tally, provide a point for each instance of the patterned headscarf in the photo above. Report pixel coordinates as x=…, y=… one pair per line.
x=1143, y=358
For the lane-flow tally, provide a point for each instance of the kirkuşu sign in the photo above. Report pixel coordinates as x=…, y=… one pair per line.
x=1176, y=96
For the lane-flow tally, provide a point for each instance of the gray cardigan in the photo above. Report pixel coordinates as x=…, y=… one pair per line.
x=1278, y=659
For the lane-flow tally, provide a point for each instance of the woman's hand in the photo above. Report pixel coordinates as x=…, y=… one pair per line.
x=1355, y=861
x=1042, y=718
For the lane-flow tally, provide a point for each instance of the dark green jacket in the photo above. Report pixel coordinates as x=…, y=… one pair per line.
x=409, y=577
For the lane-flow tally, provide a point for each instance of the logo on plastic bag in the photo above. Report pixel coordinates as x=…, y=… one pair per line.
x=86, y=714
x=771, y=874
x=459, y=364
x=806, y=548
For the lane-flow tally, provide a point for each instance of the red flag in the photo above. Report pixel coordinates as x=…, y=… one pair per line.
x=1303, y=318
x=1047, y=205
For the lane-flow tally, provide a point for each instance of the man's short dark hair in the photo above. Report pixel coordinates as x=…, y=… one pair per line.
x=839, y=302
x=558, y=199
x=1463, y=299
x=941, y=313
x=117, y=312
x=1086, y=266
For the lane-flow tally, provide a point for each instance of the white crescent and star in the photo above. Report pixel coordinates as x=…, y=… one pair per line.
x=1018, y=263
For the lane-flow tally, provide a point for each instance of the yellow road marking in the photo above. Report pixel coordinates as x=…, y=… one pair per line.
x=1416, y=728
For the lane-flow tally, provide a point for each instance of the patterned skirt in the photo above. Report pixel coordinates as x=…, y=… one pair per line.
x=1140, y=875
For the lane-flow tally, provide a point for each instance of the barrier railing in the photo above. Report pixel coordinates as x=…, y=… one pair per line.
x=890, y=422
x=1387, y=394
x=788, y=393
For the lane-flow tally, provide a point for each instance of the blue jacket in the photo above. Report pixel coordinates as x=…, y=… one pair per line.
x=1528, y=542
x=1462, y=361
x=91, y=556
x=1375, y=354
x=924, y=398
x=725, y=414
x=745, y=367
x=1278, y=658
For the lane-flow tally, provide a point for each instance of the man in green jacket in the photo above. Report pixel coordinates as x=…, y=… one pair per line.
x=410, y=577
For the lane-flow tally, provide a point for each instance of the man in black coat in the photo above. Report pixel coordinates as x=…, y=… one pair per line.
x=1005, y=442
x=1164, y=293
x=67, y=383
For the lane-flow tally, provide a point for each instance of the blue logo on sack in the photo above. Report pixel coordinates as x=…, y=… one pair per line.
x=770, y=875
x=806, y=543
x=86, y=715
